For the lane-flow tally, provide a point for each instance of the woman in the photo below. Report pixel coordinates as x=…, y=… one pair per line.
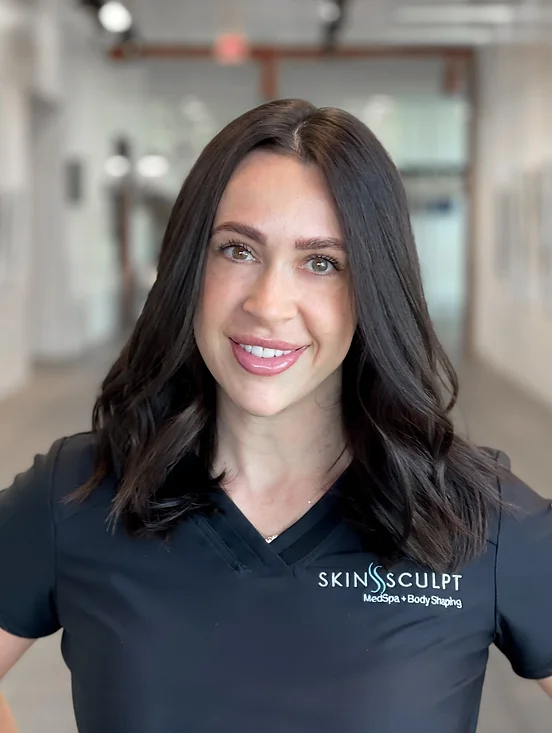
x=273, y=525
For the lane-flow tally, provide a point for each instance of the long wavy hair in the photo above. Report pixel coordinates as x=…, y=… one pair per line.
x=420, y=491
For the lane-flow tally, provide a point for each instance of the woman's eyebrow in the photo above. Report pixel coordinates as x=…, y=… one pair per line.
x=256, y=235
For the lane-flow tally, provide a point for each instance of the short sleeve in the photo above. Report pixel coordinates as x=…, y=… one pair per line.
x=27, y=552
x=524, y=581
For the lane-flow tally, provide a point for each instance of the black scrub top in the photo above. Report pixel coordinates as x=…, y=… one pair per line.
x=217, y=631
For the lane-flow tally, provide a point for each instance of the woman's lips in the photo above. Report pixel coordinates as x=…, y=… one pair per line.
x=265, y=366
x=247, y=338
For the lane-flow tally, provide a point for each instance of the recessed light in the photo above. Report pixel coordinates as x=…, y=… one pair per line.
x=115, y=17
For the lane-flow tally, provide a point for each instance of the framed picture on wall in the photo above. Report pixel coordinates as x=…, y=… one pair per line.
x=6, y=236
x=516, y=227
x=544, y=240
x=527, y=209
x=14, y=230
x=74, y=181
x=515, y=233
x=503, y=233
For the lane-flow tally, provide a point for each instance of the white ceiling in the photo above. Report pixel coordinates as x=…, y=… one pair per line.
x=446, y=22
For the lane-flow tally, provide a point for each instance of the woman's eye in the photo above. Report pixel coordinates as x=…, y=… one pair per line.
x=321, y=266
x=237, y=253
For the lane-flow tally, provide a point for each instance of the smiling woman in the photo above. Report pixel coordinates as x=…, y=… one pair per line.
x=273, y=524
x=277, y=291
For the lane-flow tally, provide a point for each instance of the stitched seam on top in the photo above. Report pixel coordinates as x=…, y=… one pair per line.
x=217, y=543
x=496, y=561
x=54, y=524
x=317, y=550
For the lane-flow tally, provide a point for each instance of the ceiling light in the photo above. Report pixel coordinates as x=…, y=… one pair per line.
x=117, y=166
x=231, y=48
x=330, y=12
x=489, y=14
x=153, y=166
x=194, y=109
x=115, y=17
x=377, y=109
x=379, y=105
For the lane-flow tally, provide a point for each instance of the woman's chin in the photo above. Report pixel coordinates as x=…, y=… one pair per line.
x=259, y=408
x=264, y=404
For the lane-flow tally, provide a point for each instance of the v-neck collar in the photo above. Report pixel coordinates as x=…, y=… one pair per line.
x=248, y=551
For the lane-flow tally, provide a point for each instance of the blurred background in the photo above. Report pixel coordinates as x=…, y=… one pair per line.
x=103, y=109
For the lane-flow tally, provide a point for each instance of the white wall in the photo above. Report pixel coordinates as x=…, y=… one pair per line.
x=55, y=322
x=513, y=334
x=14, y=343
x=60, y=98
x=35, y=307
x=14, y=177
x=100, y=101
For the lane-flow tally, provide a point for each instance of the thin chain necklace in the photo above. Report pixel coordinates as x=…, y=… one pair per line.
x=271, y=537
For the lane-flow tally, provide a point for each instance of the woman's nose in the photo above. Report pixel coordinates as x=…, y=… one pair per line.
x=272, y=297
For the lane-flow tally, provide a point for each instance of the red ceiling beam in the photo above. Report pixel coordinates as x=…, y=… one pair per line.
x=279, y=53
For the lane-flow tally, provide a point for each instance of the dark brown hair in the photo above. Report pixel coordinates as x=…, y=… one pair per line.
x=419, y=490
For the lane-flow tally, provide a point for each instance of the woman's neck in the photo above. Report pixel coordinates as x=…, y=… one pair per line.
x=299, y=446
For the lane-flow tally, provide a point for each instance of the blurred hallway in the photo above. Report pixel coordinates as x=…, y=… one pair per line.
x=58, y=402
x=100, y=125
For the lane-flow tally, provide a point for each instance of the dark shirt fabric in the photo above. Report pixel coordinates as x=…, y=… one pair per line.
x=217, y=631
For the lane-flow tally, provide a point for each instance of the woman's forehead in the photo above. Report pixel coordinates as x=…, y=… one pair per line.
x=269, y=190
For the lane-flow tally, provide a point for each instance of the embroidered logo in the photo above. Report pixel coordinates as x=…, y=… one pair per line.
x=403, y=587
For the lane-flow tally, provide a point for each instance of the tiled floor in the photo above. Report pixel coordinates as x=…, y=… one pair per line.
x=58, y=403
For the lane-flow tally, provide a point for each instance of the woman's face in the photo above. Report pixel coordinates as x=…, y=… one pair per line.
x=275, y=318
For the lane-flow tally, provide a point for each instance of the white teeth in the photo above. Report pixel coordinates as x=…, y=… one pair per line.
x=264, y=353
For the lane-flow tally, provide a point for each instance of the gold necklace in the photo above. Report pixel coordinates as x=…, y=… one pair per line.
x=271, y=537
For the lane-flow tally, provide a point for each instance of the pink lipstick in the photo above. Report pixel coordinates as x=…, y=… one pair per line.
x=265, y=357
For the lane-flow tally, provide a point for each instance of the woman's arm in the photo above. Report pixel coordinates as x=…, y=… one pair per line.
x=546, y=685
x=12, y=648
x=7, y=723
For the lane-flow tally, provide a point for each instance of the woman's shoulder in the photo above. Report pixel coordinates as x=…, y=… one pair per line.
x=522, y=507
x=33, y=531
x=523, y=574
x=73, y=460
x=54, y=476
